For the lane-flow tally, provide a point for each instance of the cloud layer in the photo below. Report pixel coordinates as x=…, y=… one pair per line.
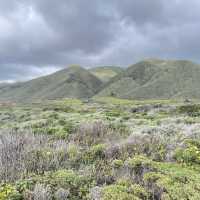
x=39, y=36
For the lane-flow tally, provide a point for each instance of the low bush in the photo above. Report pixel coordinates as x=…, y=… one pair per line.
x=192, y=110
x=78, y=185
x=9, y=192
x=124, y=190
x=190, y=154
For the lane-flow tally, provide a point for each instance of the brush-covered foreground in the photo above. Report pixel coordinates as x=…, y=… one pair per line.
x=101, y=149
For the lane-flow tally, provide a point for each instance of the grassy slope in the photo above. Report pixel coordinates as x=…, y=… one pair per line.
x=153, y=79
x=149, y=79
x=71, y=82
x=106, y=73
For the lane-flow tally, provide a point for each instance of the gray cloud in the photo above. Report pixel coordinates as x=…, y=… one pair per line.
x=39, y=36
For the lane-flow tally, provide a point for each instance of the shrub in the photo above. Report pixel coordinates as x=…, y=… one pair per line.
x=95, y=153
x=189, y=155
x=113, y=113
x=23, y=185
x=78, y=185
x=124, y=190
x=24, y=153
x=138, y=162
x=192, y=110
x=69, y=127
x=98, y=151
x=138, y=166
x=117, y=163
x=120, y=128
x=9, y=192
x=91, y=133
x=13, y=153
x=103, y=172
x=118, y=192
x=73, y=151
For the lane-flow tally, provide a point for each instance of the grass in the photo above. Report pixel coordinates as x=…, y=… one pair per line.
x=106, y=73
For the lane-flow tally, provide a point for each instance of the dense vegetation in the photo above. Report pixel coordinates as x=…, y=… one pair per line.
x=100, y=149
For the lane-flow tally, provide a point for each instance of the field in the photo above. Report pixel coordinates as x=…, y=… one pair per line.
x=100, y=149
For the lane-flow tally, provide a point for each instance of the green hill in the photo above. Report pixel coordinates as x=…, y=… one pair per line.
x=73, y=82
x=105, y=73
x=156, y=79
x=148, y=79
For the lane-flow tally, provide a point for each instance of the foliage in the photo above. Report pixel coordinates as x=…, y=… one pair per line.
x=192, y=110
x=111, y=148
x=9, y=192
x=117, y=163
x=78, y=185
x=123, y=190
x=190, y=154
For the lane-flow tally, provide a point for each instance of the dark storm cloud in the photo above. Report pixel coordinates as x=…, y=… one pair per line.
x=140, y=11
x=37, y=36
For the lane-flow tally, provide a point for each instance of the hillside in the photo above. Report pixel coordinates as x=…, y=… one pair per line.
x=73, y=82
x=105, y=73
x=153, y=78
x=148, y=79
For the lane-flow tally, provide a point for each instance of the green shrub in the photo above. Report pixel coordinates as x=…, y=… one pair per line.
x=78, y=185
x=113, y=113
x=117, y=163
x=103, y=172
x=152, y=177
x=9, y=192
x=192, y=110
x=120, y=128
x=98, y=151
x=95, y=153
x=73, y=151
x=158, y=152
x=172, y=182
x=118, y=192
x=40, y=160
x=68, y=127
x=190, y=154
x=139, y=162
x=124, y=190
x=23, y=185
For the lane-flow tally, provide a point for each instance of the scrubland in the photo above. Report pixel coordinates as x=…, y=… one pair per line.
x=100, y=149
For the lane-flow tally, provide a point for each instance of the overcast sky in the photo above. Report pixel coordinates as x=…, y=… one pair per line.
x=38, y=37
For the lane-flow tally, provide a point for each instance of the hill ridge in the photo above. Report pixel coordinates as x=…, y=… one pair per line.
x=73, y=82
x=147, y=79
x=156, y=79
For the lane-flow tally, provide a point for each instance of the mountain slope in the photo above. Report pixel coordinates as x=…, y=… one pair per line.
x=161, y=79
x=148, y=79
x=73, y=82
x=105, y=73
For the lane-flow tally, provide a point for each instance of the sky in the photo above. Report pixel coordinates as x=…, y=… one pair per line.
x=38, y=37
